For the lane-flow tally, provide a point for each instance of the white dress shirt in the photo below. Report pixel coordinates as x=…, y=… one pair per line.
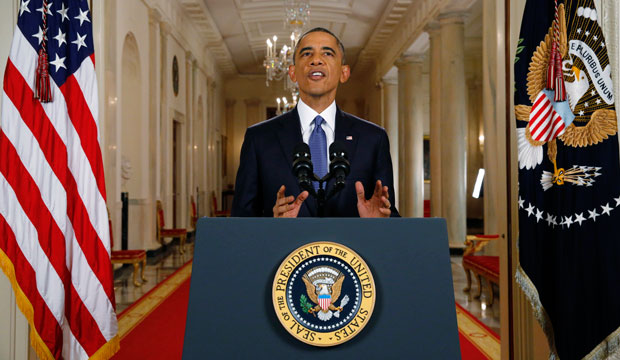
x=306, y=117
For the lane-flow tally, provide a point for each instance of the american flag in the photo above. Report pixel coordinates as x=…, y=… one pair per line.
x=545, y=123
x=54, y=235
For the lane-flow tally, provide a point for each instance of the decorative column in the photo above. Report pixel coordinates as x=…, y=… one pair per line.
x=402, y=181
x=252, y=115
x=435, y=121
x=390, y=123
x=412, y=117
x=154, y=106
x=231, y=163
x=165, y=157
x=453, y=127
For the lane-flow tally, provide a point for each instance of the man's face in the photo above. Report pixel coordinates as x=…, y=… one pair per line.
x=318, y=65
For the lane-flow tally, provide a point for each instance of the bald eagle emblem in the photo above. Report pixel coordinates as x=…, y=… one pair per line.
x=589, y=117
x=323, y=286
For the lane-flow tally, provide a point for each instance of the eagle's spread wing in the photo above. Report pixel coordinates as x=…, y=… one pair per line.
x=522, y=112
x=602, y=125
x=537, y=76
x=311, y=290
x=336, y=288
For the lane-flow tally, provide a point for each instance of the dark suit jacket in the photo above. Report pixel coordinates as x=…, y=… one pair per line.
x=267, y=159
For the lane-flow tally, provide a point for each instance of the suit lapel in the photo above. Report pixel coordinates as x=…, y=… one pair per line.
x=346, y=133
x=289, y=135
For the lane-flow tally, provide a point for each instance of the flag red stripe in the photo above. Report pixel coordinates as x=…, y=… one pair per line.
x=86, y=127
x=56, y=154
x=540, y=117
x=83, y=325
x=51, y=238
x=538, y=135
x=43, y=320
x=96, y=254
x=52, y=243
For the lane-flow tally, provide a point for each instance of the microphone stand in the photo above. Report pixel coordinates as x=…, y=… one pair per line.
x=321, y=195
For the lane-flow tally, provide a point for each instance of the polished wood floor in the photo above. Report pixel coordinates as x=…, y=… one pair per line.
x=160, y=267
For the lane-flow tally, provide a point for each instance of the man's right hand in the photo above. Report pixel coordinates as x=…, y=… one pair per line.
x=288, y=206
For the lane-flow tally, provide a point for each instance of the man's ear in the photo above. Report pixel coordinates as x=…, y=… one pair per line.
x=291, y=73
x=345, y=72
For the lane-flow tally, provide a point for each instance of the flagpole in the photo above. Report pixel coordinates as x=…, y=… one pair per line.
x=509, y=232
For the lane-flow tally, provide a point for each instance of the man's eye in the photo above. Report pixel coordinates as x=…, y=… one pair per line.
x=305, y=54
x=329, y=54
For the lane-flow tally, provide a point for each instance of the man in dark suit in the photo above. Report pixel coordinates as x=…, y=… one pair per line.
x=265, y=174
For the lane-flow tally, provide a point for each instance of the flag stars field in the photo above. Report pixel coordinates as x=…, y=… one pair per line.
x=61, y=38
x=59, y=62
x=24, y=7
x=47, y=10
x=82, y=17
x=80, y=41
x=63, y=12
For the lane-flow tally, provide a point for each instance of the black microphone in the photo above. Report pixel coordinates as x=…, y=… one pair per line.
x=339, y=165
x=302, y=166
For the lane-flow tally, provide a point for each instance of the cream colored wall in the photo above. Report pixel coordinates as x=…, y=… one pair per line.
x=142, y=124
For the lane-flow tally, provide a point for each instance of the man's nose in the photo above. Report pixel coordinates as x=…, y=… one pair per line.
x=316, y=60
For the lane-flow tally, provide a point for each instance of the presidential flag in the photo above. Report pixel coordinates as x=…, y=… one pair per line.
x=569, y=178
x=54, y=235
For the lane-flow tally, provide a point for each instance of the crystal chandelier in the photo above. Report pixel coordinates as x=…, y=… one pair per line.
x=297, y=14
x=276, y=62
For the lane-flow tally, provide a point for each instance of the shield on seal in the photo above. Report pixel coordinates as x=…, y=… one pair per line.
x=324, y=301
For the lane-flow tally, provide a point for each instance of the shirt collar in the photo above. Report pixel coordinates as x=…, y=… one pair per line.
x=307, y=115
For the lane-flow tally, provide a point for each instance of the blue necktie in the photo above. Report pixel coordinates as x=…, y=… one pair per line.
x=318, y=149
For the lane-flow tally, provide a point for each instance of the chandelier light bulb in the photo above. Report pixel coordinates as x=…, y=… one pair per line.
x=278, y=100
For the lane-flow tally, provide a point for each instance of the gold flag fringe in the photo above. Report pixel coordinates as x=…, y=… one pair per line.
x=607, y=348
x=37, y=343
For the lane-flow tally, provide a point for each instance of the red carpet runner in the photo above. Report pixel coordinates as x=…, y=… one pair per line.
x=154, y=327
x=478, y=342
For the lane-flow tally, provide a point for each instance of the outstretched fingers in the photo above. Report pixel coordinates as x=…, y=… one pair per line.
x=300, y=198
x=359, y=189
x=378, y=189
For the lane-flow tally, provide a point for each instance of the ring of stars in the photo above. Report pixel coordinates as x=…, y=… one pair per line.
x=353, y=309
x=576, y=219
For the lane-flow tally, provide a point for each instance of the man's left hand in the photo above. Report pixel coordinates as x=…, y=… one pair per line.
x=377, y=206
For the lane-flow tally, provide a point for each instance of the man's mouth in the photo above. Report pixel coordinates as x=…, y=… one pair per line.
x=316, y=75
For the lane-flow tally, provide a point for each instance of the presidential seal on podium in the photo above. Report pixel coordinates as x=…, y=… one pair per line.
x=323, y=293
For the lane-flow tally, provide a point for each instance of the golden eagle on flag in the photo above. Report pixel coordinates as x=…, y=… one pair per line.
x=569, y=178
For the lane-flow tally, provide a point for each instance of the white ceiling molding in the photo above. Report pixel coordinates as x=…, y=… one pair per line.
x=245, y=25
x=411, y=27
x=199, y=14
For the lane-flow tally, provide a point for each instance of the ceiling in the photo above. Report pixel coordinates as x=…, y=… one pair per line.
x=241, y=27
x=245, y=25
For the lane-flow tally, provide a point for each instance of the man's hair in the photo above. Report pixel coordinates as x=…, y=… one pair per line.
x=319, y=29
